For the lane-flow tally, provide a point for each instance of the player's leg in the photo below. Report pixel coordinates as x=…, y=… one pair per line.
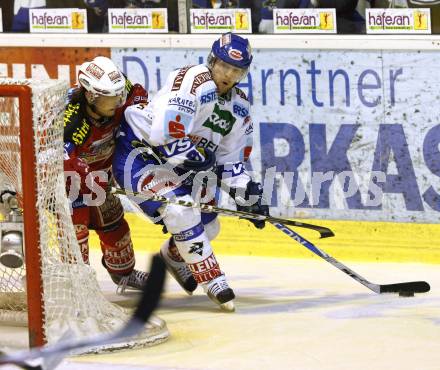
x=116, y=244
x=81, y=220
x=192, y=242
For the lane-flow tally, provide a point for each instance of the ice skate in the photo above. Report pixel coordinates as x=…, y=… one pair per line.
x=177, y=267
x=135, y=280
x=219, y=292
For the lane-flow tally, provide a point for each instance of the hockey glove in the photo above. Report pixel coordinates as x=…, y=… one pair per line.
x=200, y=160
x=252, y=202
x=137, y=95
x=81, y=167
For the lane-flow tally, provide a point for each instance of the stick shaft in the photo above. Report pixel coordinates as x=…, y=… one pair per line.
x=323, y=231
x=411, y=286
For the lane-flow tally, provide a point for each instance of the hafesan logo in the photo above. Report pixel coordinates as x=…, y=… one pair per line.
x=304, y=21
x=58, y=20
x=220, y=20
x=398, y=20
x=137, y=20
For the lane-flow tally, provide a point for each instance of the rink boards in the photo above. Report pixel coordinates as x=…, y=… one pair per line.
x=354, y=240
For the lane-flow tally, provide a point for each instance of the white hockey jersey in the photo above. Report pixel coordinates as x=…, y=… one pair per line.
x=188, y=110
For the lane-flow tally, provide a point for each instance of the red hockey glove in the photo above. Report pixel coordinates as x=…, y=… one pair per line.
x=81, y=168
x=137, y=95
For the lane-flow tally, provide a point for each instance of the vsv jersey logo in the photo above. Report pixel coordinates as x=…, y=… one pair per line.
x=176, y=147
x=221, y=121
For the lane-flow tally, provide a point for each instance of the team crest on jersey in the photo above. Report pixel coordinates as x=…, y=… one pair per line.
x=220, y=121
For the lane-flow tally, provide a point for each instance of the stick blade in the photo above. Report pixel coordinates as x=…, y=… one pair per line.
x=412, y=286
x=327, y=233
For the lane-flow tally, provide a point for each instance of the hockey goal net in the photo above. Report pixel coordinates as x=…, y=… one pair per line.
x=53, y=291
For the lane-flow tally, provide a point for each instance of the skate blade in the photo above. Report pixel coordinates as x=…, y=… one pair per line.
x=228, y=306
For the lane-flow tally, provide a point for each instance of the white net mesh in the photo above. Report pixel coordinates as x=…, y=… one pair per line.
x=71, y=296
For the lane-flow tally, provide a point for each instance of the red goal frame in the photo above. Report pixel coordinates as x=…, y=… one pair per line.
x=34, y=283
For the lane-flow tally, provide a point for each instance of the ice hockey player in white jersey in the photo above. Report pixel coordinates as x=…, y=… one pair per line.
x=198, y=121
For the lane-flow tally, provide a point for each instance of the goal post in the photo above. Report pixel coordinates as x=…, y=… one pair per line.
x=53, y=291
x=33, y=277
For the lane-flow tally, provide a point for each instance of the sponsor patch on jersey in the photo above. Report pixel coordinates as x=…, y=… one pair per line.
x=95, y=71
x=220, y=121
x=182, y=104
x=114, y=76
x=177, y=83
x=200, y=79
x=196, y=247
x=247, y=153
x=249, y=129
x=76, y=127
x=235, y=54
x=208, y=97
x=71, y=114
x=241, y=94
x=176, y=123
x=203, y=143
x=239, y=110
x=81, y=133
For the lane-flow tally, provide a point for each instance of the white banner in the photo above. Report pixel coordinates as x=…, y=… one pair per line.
x=220, y=20
x=345, y=134
x=1, y=20
x=138, y=20
x=304, y=21
x=69, y=20
x=398, y=20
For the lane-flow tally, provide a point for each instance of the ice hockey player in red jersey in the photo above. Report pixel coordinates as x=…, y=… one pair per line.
x=91, y=121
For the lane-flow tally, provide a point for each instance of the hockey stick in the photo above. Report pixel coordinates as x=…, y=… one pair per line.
x=407, y=288
x=323, y=231
x=149, y=301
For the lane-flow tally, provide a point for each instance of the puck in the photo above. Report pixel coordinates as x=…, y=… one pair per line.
x=406, y=294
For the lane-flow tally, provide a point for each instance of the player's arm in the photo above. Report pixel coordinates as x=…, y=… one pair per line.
x=174, y=115
x=234, y=152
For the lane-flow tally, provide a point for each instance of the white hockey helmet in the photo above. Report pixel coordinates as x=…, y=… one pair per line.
x=101, y=77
